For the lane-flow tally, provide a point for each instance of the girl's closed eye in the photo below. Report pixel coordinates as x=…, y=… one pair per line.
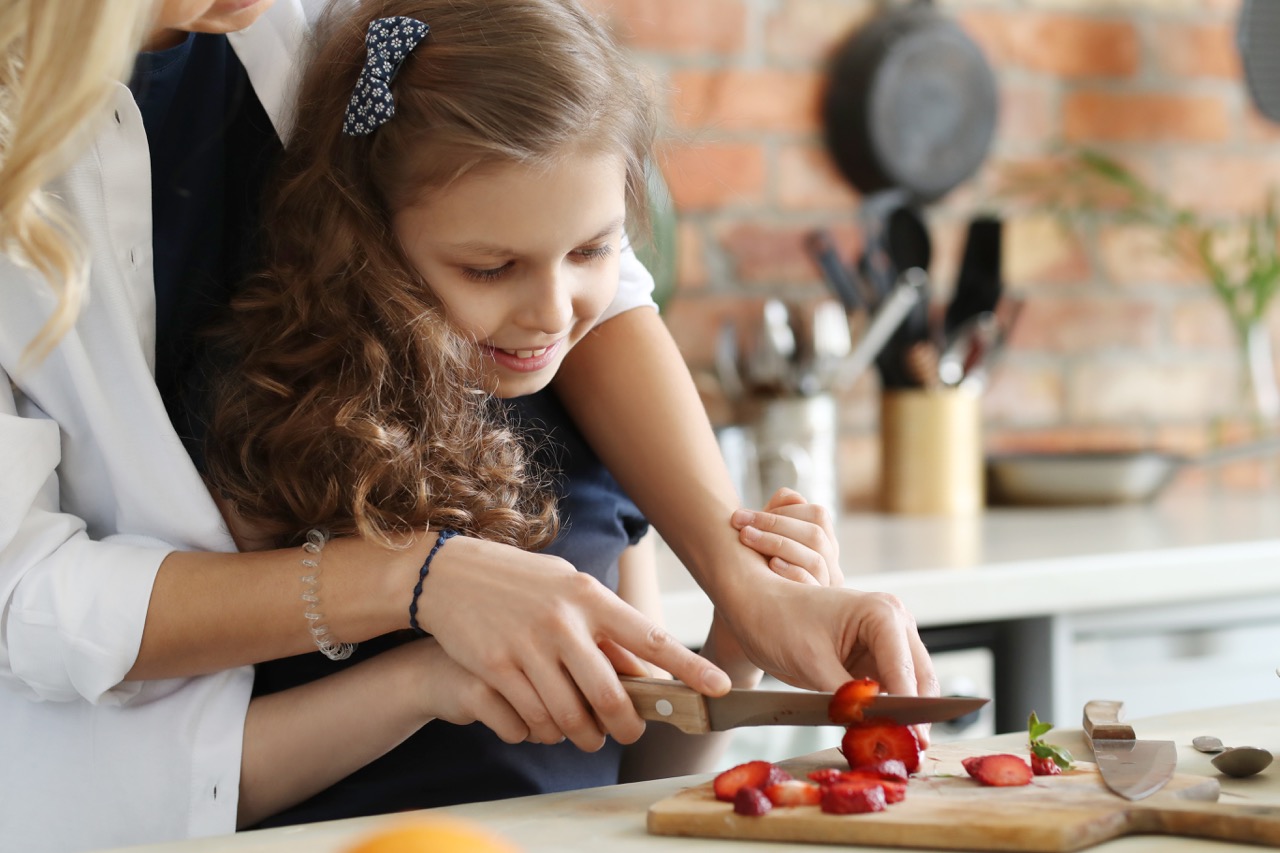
x=490, y=274
x=592, y=253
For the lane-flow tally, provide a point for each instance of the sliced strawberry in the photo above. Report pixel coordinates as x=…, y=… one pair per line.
x=891, y=769
x=793, y=792
x=1001, y=771
x=826, y=776
x=970, y=764
x=1044, y=766
x=894, y=792
x=852, y=798
x=753, y=774
x=849, y=700
x=876, y=740
x=751, y=801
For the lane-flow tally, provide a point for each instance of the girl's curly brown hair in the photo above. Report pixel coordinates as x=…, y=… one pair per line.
x=354, y=406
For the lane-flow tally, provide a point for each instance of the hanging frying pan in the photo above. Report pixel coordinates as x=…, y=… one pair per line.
x=910, y=104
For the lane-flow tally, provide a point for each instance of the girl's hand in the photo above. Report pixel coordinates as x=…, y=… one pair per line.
x=796, y=537
x=550, y=640
x=453, y=694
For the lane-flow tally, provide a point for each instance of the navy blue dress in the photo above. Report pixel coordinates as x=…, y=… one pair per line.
x=207, y=170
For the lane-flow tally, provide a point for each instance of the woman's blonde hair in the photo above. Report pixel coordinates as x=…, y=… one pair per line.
x=355, y=406
x=60, y=59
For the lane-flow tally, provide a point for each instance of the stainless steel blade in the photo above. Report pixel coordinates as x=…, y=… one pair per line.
x=802, y=708
x=1135, y=768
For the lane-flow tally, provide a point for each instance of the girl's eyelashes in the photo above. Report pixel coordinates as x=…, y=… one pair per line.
x=591, y=253
x=485, y=275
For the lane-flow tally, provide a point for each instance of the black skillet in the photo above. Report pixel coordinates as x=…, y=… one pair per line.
x=910, y=104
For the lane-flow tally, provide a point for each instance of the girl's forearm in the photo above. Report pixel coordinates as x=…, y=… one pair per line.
x=302, y=740
x=653, y=435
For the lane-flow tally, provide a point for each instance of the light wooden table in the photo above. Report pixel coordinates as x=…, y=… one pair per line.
x=613, y=819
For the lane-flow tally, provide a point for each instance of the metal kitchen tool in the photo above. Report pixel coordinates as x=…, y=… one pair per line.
x=888, y=316
x=1132, y=768
x=840, y=281
x=667, y=701
x=1238, y=761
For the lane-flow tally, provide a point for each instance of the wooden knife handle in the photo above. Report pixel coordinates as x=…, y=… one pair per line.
x=665, y=700
x=1102, y=721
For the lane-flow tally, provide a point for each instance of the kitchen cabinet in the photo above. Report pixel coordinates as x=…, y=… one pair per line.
x=1166, y=606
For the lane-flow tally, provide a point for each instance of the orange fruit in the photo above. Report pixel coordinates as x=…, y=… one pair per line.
x=434, y=835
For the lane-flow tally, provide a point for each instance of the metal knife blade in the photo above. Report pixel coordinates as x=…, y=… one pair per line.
x=1132, y=768
x=673, y=702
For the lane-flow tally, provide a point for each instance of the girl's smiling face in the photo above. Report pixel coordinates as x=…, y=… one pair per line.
x=523, y=258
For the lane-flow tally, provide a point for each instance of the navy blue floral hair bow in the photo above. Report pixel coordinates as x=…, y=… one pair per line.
x=388, y=42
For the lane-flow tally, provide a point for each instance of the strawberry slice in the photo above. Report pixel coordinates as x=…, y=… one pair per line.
x=894, y=791
x=893, y=769
x=876, y=740
x=852, y=798
x=793, y=792
x=752, y=774
x=849, y=700
x=751, y=802
x=826, y=776
x=1000, y=771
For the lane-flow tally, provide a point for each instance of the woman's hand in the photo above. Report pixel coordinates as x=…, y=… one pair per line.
x=550, y=640
x=796, y=537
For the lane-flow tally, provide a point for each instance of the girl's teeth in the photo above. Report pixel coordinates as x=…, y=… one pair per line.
x=525, y=353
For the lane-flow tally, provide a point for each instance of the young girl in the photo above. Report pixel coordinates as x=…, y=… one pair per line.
x=447, y=229
x=126, y=617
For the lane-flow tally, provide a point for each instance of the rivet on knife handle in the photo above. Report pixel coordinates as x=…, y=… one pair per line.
x=666, y=701
x=1102, y=721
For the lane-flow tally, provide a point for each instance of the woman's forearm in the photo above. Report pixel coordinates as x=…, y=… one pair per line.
x=211, y=611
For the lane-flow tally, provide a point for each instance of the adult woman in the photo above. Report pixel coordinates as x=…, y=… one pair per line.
x=127, y=624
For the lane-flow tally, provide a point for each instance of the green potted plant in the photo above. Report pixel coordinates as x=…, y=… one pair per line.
x=1239, y=259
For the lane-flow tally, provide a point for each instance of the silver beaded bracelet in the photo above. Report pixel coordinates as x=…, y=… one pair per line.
x=316, y=539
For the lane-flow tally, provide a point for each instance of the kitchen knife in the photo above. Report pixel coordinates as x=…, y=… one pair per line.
x=667, y=701
x=1132, y=768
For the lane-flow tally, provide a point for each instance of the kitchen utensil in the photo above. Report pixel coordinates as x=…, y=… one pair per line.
x=1238, y=761
x=908, y=245
x=839, y=280
x=1102, y=477
x=796, y=440
x=1207, y=744
x=1132, y=768
x=668, y=701
x=1242, y=761
x=888, y=316
x=911, y=103
x=769, y=366
x=1257, y=34
x=831, y=342
x=980, y=282
x=967, y=347
x=727, y=368
x=948, y=810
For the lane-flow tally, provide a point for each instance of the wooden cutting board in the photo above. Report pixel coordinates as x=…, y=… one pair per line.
x=946, y=809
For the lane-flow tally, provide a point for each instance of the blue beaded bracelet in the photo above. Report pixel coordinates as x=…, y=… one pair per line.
x=445, y=535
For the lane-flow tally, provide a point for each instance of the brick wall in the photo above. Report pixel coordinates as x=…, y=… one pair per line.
x=1117, y=346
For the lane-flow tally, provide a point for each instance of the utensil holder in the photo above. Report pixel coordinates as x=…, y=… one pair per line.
x=796, y=441
x=931, y=458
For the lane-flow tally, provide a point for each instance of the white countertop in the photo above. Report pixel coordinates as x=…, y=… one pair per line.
x=613, y=819
x=1013, y=563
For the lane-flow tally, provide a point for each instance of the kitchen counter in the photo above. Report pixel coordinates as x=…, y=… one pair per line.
x=1015, y=563
x=613, y=819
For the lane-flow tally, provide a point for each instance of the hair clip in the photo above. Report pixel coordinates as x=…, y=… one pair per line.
x=388, y=42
